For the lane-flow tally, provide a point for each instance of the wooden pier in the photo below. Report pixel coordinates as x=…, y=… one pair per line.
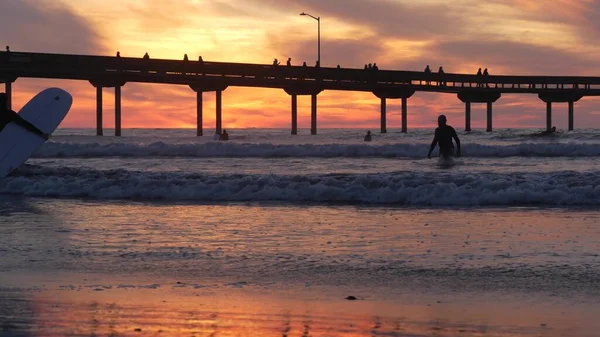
x=115, y=72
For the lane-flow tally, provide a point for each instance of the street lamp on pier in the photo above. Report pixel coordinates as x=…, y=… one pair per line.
x=318, y=35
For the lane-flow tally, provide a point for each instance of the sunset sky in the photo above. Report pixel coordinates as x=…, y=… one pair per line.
x=517, y=37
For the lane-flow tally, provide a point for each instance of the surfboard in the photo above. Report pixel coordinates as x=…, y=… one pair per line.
x=46, y=111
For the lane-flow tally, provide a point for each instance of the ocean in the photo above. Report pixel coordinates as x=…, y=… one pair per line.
x=162, y=233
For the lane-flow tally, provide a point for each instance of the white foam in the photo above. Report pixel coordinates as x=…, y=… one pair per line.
x=400, y=188
x=266, y=150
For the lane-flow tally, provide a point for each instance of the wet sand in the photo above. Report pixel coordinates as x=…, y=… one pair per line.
x=79, y=268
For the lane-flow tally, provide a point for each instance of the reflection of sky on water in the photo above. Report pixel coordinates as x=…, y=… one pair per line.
x=112, y=267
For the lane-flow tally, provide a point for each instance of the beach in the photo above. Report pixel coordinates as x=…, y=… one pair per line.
x=158, y=234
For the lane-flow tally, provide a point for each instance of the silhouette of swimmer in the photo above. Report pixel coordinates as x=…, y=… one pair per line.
x=550, y=132
x=443, y=136
x=224, y=135
x=368, y=137
x=7, y=116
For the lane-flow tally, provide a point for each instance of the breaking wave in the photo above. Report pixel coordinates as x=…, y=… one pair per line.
x=220, y=149
x=399, y=188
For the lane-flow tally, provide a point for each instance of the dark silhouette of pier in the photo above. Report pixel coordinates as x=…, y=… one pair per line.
x=201, y=76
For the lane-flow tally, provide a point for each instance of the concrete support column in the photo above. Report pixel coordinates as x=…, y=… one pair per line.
x=313, y=114
x=118, y=111
x=383, y=115
x=294, y=114
x=548, y=116
x=199, y=131
x=489, y=117
x=219, y=106
x=467, y=116
x=404, y=114
x=99, y=130
x=8, y=90
x=570, y=116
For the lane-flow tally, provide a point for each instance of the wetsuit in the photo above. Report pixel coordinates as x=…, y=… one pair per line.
x=7, y=116
x=443, y=137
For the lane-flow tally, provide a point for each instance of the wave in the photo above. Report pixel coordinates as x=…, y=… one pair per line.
x=220, y=149
x=399, y=188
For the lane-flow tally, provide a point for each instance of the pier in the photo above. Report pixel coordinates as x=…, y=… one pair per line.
x=205, y=77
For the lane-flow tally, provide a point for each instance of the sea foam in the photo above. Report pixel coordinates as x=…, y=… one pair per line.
x=398, y=188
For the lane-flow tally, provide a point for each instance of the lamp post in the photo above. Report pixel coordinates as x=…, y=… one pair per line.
x=318, y=18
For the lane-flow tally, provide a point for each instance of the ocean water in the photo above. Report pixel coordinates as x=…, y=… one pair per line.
x=160, y=232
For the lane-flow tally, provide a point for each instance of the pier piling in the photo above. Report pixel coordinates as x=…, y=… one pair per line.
x=404, y=114
x=489, y=117
x=571, y=115
x=118, y=110
x=99, y=129
x=294, y=114
x=199, y=130
x=218, y=128
x=383, y=115
x=313, y=114
x=467, y=116
x=548, y=116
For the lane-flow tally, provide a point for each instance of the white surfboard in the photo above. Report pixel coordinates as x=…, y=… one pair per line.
x=46, y=111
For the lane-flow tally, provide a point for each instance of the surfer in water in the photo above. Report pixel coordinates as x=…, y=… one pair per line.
x=7, y=116
x=551, y=132
x=443, y=136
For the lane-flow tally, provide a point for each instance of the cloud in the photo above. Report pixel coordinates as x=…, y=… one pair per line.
x=47, y=26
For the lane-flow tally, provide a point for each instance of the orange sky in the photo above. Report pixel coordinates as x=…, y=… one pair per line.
x=549, y=37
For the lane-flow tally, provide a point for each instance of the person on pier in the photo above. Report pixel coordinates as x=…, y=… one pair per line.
x=479, y=81
x=368, y=137
x=276, y=62
x=289, y=62
x=7, y=115
x=427, y=72
x=224, y=135
x=485, y=76
x=441, y=72
x=443, y=137
x=185, y=57
x=146, y=56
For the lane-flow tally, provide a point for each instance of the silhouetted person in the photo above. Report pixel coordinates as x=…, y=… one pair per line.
x=485, y=75
x=7, y=116
x=146, y=56
x=441, y=72
x=375, y=67
x=443, y=136
x=368, y=137
x=546, y=132
x=304, y=64
x=338, y=66
x=317, y=64
x=289, y=61
x=275, y=62
x=224, y=135
x=427, y=72
x=118, y=54
x=8, y=49
x=366, y=67
x=200, y=59
x=185, y=57
x=479, y=75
